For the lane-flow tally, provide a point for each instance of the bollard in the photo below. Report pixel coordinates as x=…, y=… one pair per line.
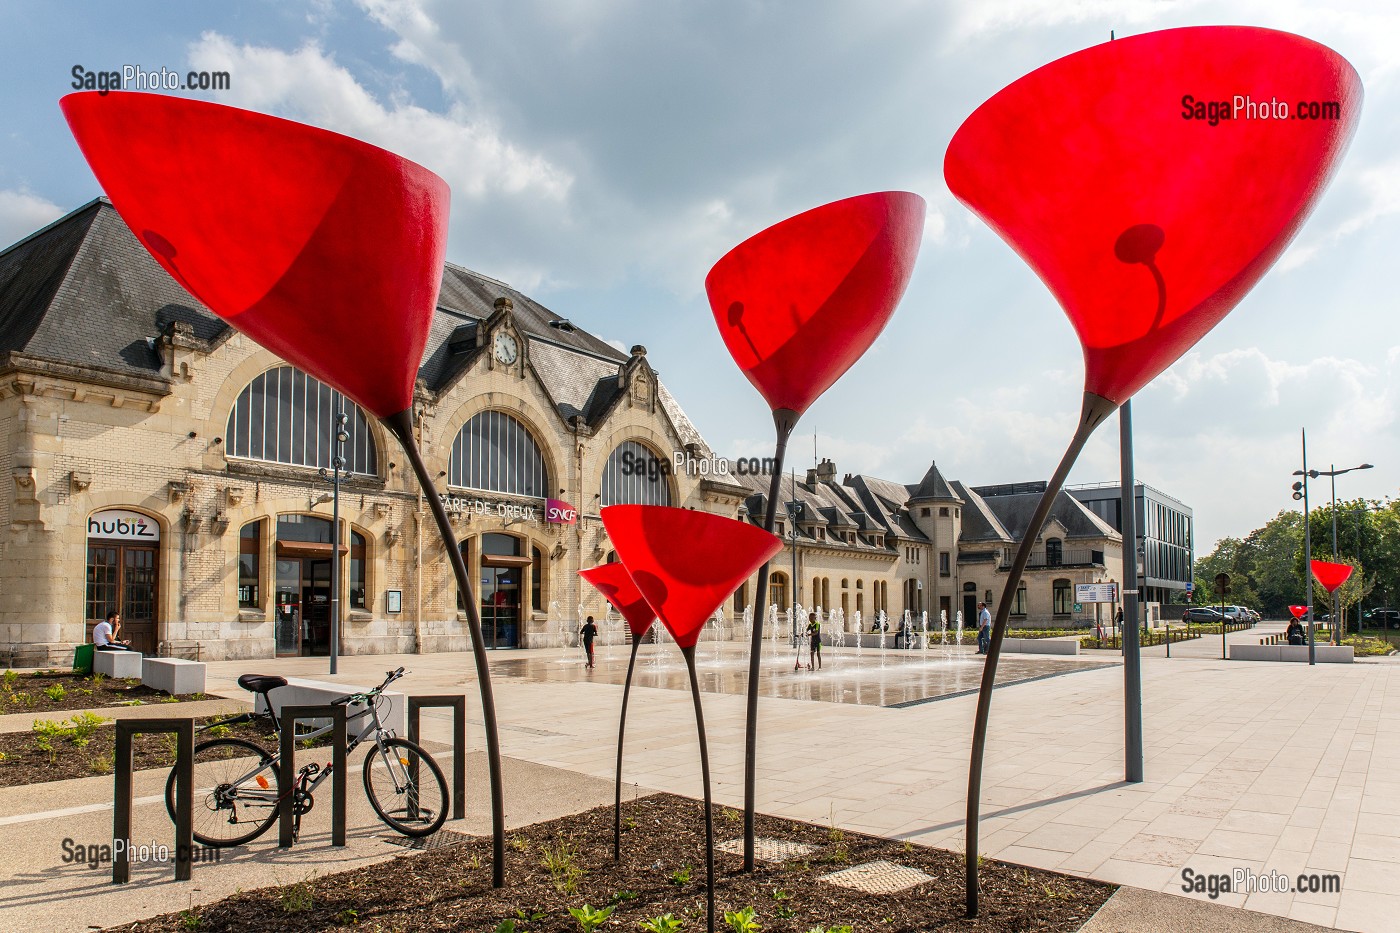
x=458, y=704
x=184, y=794
x=286, y=778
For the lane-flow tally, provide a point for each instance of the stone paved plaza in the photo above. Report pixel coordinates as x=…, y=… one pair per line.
x=1270, y=767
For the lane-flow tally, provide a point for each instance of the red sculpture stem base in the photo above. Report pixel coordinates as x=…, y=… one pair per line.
x=784, y=420
x=1095, y=410
x=401, y=426
x=621, y=730
x=689, y=654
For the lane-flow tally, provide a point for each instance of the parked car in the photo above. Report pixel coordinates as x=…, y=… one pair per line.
x=1381, y=618
x=1237, y=614
x=1201, y=614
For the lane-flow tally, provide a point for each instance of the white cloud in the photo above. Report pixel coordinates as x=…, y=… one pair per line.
x=21, y=213
x=309, y=85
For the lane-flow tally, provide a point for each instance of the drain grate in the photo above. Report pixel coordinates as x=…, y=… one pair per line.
x=880, y=877
x=438, y=840
x=768, y=850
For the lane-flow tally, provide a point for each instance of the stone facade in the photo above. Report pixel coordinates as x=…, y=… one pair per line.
x=83, y=436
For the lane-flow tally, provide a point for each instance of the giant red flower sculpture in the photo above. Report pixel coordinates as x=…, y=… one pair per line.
x=687, y=563
x=1147, y=218
x=797, y=304
x=1331, y=575
x=1298, y=611
x=326, y=250
x=255, y=216
x=615, y=583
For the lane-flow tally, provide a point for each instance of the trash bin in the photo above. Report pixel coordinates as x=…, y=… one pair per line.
x=82, y=658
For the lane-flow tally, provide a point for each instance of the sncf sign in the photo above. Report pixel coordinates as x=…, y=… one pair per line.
x=559, y=512
x=122, y=525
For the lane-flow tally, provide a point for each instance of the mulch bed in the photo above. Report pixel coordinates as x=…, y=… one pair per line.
x=449, y=888
x=23, y=762
x=40, y=692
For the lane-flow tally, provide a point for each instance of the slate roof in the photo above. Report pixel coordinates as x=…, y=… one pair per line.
x=932, y=486
x=84, y=291
x=1014, y=512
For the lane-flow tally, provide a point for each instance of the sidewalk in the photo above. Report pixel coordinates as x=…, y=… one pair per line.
x=1269, y=767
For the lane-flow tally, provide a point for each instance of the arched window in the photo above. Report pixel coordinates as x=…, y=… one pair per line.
x=634, y=475
x=778, y=591
x=494, y=451
x=1063, y=597
x=249, y=564
x=357, y=570
x=1018, y=608
x=286, y=416
x=1054, y=552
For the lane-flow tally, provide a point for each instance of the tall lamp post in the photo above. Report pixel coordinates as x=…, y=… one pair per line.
x=333, y=476
x=1334, y=473
x=1300, y=491
x=794, y=509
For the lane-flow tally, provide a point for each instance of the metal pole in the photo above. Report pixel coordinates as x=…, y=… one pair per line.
x=1336, y=638
x=337, y=464
x=1132, y=650
x=1307, y=555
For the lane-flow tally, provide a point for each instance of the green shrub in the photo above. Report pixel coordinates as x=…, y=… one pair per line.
x=590, y=919
x=743, y=921
x=55, y=692
x=666, y=923
x=681, y=876
x=561, y=861
x=297, y=898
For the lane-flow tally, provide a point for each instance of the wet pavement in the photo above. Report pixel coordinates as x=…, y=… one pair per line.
x=867, y=678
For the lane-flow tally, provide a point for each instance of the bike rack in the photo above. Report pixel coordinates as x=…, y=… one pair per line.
x=184, y=793
x=287, y=772
x=458, y=705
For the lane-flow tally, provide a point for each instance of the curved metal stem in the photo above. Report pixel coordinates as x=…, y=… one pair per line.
x=689, y=654
x=1095, y=410
x=621, y=730
x=401, y=425
x=785, y=421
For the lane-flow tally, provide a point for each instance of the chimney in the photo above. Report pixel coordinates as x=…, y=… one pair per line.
x=826, y=471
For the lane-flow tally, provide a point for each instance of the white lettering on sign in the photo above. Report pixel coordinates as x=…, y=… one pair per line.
x=123, y=525
x=1096, y=592
x=505, y=510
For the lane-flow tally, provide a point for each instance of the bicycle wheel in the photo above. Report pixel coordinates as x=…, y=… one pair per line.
x=235, y=792
x=406, y=788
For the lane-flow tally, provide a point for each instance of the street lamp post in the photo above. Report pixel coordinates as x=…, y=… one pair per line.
x=1336, y=597
x=1300, y=491
x=333, y=475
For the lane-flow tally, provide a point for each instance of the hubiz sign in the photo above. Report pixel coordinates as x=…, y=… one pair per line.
x=123, y=525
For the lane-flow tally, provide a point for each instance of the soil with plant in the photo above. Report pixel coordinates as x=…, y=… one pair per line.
x=52, y=691
x=85, y=744
x=560, y=876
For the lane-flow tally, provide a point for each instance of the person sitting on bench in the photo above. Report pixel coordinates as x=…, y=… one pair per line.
x=104, y=634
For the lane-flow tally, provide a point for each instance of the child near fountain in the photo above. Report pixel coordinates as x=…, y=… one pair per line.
x=814, y=635
x=589, y=632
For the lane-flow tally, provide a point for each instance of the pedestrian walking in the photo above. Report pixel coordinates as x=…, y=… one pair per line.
x=984, y=629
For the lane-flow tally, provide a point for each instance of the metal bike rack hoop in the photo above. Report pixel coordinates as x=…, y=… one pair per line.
x=184, y=793
x=286, y=777
x=458, y=705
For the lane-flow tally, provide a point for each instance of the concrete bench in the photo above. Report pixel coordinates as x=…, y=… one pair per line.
x=117, y=663
x=1326, y=654
x=299, y=691
x=173, y=675
x=1040, y=645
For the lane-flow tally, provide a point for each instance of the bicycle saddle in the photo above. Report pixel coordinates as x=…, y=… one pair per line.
x=261, y=683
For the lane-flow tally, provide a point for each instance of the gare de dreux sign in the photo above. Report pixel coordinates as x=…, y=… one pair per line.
x=555, y=512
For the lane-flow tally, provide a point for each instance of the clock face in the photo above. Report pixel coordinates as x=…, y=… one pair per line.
x=506, y=349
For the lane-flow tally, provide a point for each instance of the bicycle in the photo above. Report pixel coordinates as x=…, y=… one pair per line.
x=236, y=800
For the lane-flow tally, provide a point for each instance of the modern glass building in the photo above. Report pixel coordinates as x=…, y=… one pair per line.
x=1166, y=542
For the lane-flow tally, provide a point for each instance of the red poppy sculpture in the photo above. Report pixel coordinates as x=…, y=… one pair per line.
x=324, y=249
x=615, y=583
x=1332, y=576
x=1150, y=182
x=686, y=564
x=797, y=305
x=1298, y=611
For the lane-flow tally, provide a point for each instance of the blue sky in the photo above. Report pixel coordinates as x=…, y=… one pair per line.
x=604, y=153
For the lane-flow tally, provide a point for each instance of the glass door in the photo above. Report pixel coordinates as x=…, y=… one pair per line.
x=500, y=606
x=316, y=607
x=288, y=606
x=139, y=598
